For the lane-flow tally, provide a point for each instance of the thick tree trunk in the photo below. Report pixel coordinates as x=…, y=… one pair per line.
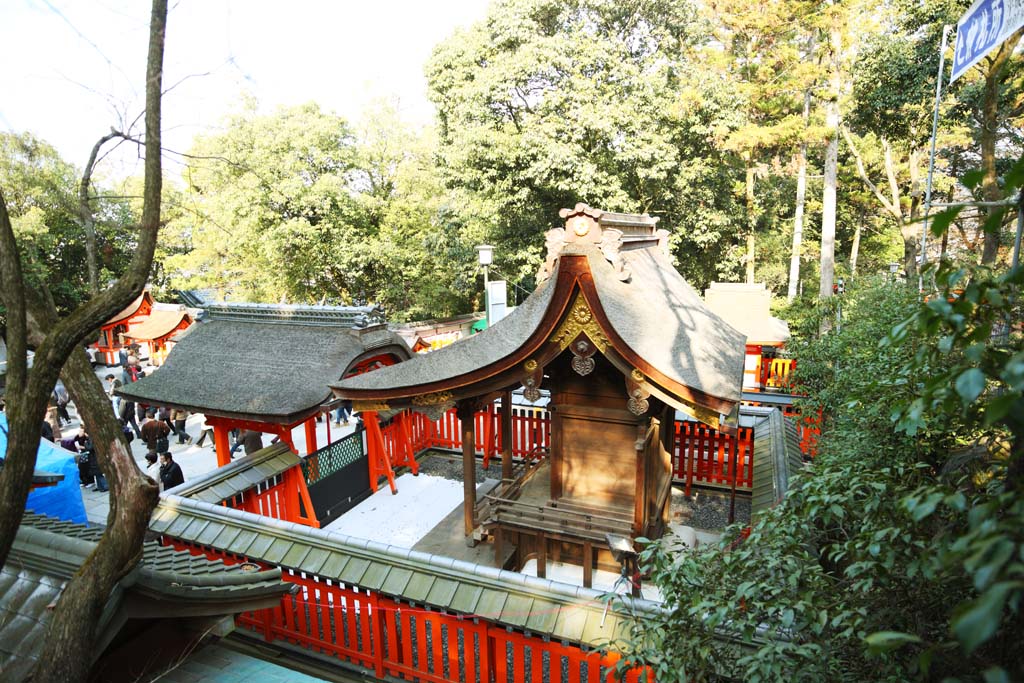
x=989, y=132
x=798, y=215
x=751, y=220
x=69, y=642
x=990, y=180
x=28, y=392
x=828, y=211
x=828, y=198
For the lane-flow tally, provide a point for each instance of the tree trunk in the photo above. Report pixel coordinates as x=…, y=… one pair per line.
x=828, y=210
x=751, y=219
x=989, y=132
x=86, y=217
x=68, y=649
x=990, y=180
x=29, y=391
x=855, y=250
x=828, y=198
x=798, y=215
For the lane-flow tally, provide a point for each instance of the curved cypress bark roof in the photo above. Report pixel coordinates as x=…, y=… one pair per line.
x=131, y=308
x=266, y=371
x=655, y=323
x=159, y=323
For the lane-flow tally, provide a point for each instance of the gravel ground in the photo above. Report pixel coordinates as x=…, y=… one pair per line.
x=707, y=509
x=449, y=466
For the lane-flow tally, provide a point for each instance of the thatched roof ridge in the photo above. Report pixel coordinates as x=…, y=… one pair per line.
x=270, y=372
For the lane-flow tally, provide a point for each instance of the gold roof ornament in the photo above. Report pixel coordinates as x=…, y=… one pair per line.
x=580, y=320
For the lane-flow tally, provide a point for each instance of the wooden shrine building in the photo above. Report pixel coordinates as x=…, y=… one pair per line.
x=267, y=367
x=110, y=338
x=621, y=342
x=153, y=334
x=747, y=307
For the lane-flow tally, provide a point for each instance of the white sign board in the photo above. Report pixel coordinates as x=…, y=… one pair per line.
x=497, y=300
x=984, y=26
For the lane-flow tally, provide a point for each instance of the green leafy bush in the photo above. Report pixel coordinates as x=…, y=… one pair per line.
x=898, y=554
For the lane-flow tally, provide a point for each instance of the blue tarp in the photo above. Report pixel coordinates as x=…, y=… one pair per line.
x=63, y=500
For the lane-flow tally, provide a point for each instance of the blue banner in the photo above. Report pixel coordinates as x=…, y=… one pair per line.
x=984, y=26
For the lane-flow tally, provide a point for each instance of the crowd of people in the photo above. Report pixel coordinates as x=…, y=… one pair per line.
x=153, y=426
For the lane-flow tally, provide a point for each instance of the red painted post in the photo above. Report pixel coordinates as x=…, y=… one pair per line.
x=311, y=435
x=221, y=443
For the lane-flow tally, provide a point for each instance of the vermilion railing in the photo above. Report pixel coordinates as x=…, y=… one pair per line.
x=703, y=455
x=283, y=496
x=775, y=372
x=410, y=641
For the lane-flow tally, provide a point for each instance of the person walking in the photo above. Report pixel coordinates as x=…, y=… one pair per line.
x=61, y=398
x=178, y=417
x=127, y=414
x=343, y=413
x=170, y=472
x=54, y=419
x=122, y=357
x=250, y=440
x=155, y=433
x=206, y=432
x=113, y=384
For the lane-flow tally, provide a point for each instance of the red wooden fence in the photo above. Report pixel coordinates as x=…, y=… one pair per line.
x=410, y=641
x=704, y=455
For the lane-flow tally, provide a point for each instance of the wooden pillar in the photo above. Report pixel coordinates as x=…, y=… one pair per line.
x=542, y=556
x=311, y=435
x=221, y=443
x=506, y=435
x=466, y=415
x=588, y=565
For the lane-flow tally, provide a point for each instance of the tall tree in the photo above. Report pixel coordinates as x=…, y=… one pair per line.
x=546, y=103
x=798, y=212
x=273, y=215
x=834, y=59
x=762, y=59
x=32, y=319
x=996, y=74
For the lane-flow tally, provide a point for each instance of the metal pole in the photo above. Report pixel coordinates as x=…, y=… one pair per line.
x=487, y=299
x=931, y=158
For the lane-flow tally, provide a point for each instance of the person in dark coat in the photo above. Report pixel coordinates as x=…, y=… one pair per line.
x=155, y=433
x=122, y=357
x=170, y=472
x=46, y=431
x=127, y=414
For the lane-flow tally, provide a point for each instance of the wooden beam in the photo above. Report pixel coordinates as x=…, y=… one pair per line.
x=466, y=411
x=506, y=435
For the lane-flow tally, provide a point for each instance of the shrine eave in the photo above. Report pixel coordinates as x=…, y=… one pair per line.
x=654, y=328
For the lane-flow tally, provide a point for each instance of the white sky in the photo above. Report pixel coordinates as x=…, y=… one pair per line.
x=69, y=69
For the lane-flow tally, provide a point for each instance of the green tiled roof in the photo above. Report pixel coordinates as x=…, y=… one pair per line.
x=240, y=475
x=47, y=552
x=777, y=457
x=540, y=606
